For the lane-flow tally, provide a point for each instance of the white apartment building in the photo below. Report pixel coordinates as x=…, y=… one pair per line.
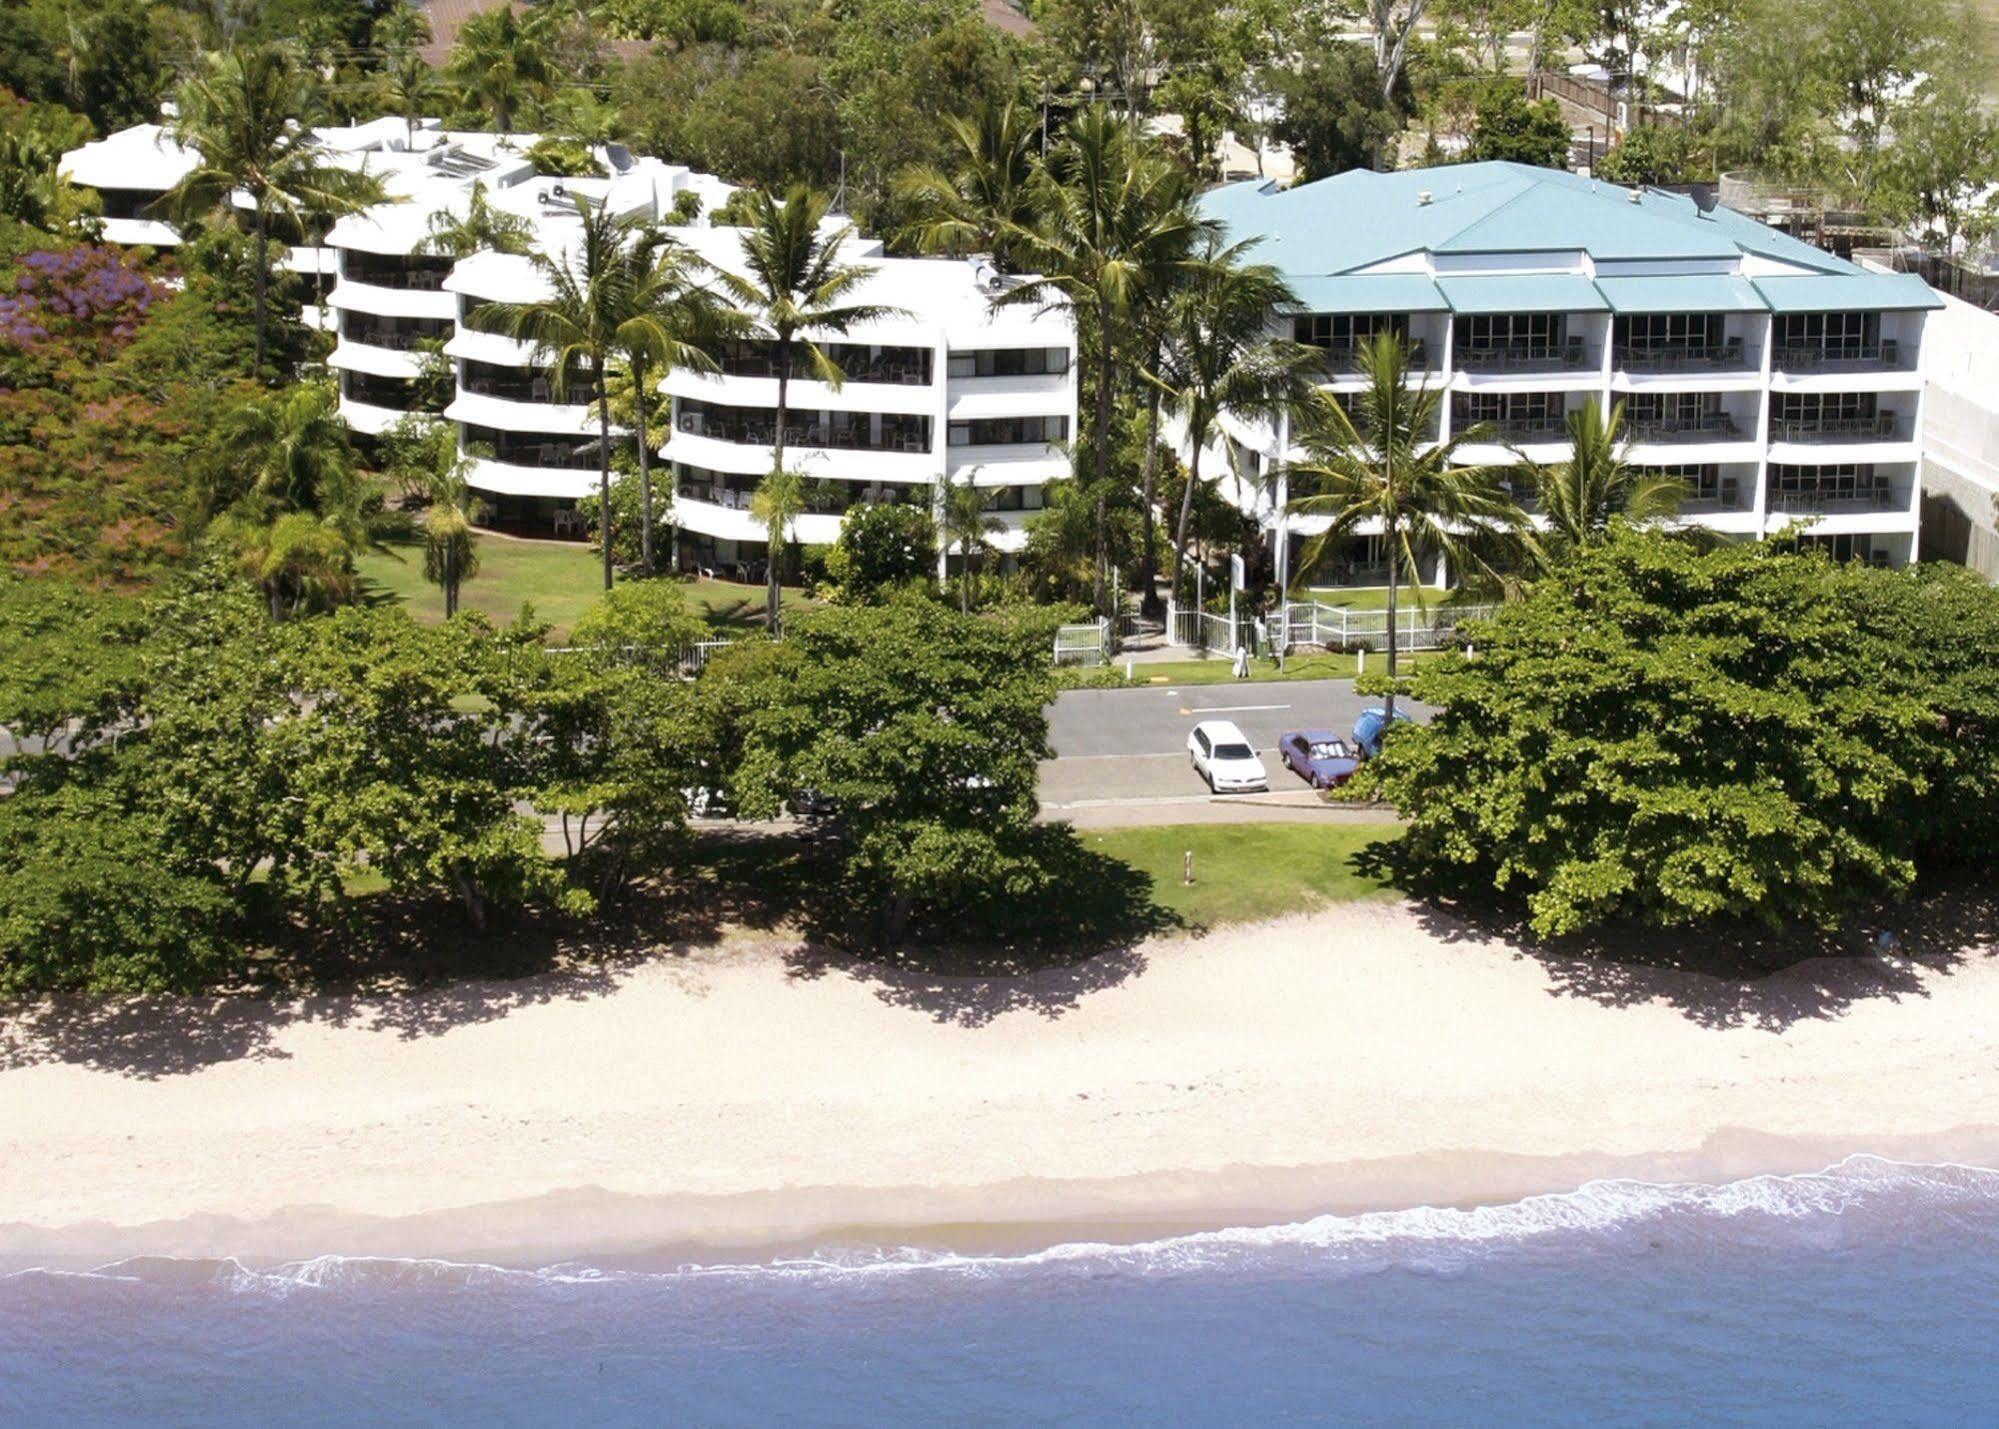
x=1784, y=385
x=948, y=387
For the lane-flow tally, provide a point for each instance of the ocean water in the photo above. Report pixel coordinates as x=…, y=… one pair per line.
x=1865, y=1293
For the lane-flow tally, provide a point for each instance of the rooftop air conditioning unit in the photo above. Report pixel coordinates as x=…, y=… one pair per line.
x=987, y=276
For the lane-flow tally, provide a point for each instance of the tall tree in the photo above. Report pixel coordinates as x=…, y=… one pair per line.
x=589, y=298
x=977, y=200
x=1219, y=356
x=248, y=115
x=1116, y=221
x=963, y=527
x=505, y=61
x=795, y=293
x=776, y=505
x=672, y=320
x=406, y=84
x=481, y=228
x=1380, y=466
x=1581, y=494
x=450, y=557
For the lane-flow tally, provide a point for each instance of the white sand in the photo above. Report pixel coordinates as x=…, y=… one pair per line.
x=1339, y=1060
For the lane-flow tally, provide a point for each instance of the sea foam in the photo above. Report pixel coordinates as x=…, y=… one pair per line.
x=1861, y=1194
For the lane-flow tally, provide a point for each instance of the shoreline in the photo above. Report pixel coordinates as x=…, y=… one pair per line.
x=741, y=1100
x=603, y=1229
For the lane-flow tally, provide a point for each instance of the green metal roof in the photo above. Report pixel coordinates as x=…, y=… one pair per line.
x=1684, y=293
x=1843, y=292
x=1368, y=293
x=1522, y=293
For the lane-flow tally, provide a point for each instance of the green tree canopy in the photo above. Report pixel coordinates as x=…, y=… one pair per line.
x=1670, y=735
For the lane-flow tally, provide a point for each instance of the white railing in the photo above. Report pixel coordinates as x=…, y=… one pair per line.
x=1200, y=630
x=1313, y=624
x=1086, y=644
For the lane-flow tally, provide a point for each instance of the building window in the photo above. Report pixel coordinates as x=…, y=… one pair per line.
x=1834, y=334
x=1704, y=483
x=1341, y=331
x=1010, y=362
x=1511, y=409
x=1009, y=431
x=1532, y=331
x=1676, y=331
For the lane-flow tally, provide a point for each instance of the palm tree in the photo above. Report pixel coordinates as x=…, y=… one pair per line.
x=590, y=300
x=503, y=61
x=1380, y=465
x=1116, y=220
x=777, y=502
x=482, y=228
x=293, y=447
x=449, y=555
x=796, y=284
x=1578, y=497
x=248, y=116
x=963, y=524
x=1218, y=356
x=986, y=192
x=406, y=85
x=671, y=321
x=299, y=560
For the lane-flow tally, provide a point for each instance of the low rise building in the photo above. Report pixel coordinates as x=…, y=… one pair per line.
x=1784, y=385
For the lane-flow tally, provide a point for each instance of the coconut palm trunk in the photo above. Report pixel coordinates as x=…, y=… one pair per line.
x=604, y=470
x=773, y=593
x=645, y=468
x=260, y=280
x=1390, y=535
x=1148, y=602
x=1100, y=457
x=1186, y=508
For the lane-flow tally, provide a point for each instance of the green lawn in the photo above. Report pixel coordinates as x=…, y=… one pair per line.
x=1370, y=597
x=561, y=579
x=1244, y=872
x=1218, y=671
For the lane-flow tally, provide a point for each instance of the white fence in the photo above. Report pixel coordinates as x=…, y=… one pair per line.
x=1314, y=625
x=1088, y=644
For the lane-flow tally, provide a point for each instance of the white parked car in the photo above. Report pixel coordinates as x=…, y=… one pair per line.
x=1223, y=757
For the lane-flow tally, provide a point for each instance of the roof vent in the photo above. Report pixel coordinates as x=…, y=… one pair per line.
x=559, y=191
x=1635, y=196
x=1423, y=199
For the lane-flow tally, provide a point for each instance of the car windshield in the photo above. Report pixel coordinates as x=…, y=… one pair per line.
x=1234, y=751
x=1329, y=749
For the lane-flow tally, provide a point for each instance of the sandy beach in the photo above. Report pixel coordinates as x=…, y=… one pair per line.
x=741, y=1095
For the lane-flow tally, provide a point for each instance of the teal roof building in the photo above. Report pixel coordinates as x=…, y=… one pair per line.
x=1782, y=383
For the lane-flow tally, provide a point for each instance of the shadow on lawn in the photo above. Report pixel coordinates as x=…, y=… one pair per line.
x=411, y=968
x=1725, y=974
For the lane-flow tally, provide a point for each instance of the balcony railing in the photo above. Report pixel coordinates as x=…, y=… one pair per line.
x=399, y=340
x=1346, y=356
x=1815, y=357
x=1879, y=427
x=1522, y=356
x=1701, y=427
x=1877, y=495
x=1681, y=356
x=411, y=280
x=538, y=389
x=764, y=434
x=1515, y=429
x=818, y=502
x=890, y=371
x=549, y=456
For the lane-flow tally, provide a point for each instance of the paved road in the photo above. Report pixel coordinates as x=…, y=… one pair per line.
x=1121, y=755
x=1147, y=721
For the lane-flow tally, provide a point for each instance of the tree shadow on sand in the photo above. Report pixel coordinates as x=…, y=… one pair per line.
x=411, y=968
x=1080, y=933
x=1723, y=974
x=407, y=968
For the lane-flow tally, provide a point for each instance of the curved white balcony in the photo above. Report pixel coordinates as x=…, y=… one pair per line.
x=367, y=418
x=350, y=296
x=1579, y=379
x=351, y=356
x=568, y=419
x=732, y=523
x=1026, y=396
x=506, y=479
x=1691, y=450
x=1889, y=379
x=818, y=463
x=1832, y=451
x=803, y=396
x=490, y=347
x=1019, y=464
x=140, y=232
